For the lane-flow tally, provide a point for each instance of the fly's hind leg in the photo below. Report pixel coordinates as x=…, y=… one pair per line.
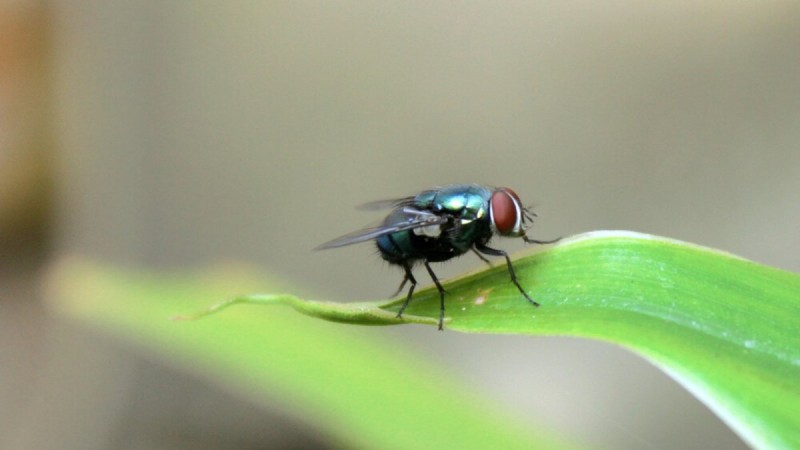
x=409, y=277
x=400, y=288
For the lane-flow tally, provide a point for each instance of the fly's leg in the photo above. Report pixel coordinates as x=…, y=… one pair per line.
x=441, y=294
x=402, y=285
x=483, y=258
x=409, y=277
x=536, y=241
x=494, y=252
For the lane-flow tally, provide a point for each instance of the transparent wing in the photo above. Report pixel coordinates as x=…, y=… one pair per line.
x=415, y=219
x=386, y=204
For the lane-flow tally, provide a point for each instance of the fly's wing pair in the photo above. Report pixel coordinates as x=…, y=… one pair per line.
x=389, y=203
x=393, y=203
x=415, y=218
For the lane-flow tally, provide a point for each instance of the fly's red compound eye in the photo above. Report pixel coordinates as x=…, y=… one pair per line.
x=505, y=211
x=512, y=193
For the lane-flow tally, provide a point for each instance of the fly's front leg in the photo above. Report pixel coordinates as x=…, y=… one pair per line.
x=483, y=258
x=537, y=241
x=482, y=248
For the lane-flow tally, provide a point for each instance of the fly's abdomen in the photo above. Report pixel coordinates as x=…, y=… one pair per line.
x=407, y=246
x=395, y=248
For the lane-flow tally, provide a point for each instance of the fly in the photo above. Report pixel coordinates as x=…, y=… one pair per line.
x=443, y=223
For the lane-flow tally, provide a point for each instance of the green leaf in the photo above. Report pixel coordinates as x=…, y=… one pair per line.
x=726, y=328
x=353, y=384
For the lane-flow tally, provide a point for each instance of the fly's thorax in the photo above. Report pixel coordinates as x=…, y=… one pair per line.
x=465, y=233
x=463, y=201
x=467, y=205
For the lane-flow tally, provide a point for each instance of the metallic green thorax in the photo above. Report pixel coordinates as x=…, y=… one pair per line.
x=466, y=201
x=467, y=208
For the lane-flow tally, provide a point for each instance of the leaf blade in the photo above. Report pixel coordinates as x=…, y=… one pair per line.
x=358, y=388
x=722, y=326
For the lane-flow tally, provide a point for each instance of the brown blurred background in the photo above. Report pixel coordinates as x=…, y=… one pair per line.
x=178, y=134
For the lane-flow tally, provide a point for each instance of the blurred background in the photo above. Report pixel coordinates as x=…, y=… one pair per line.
x=178, y=134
